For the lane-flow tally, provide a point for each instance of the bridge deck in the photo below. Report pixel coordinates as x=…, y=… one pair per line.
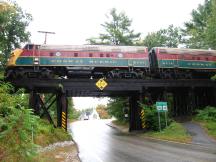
x=87, y=87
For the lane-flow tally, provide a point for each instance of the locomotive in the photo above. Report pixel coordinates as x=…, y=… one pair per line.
x=78, y=61
x=96, y=61
x=182, y=63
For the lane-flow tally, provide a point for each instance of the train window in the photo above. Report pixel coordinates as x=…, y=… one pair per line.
x=37, y=47
x=206, y=59
x=101, y=55
x=29, y=46
x=75, y=54
x=107, y=55
x=90, y=55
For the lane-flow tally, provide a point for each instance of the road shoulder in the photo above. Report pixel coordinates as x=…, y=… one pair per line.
x=124, y=129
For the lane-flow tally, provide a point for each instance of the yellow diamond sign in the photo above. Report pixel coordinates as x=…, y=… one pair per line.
x=101, y=84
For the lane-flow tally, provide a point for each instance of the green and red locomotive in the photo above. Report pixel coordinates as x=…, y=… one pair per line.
x=182, y=63
x=77, y=61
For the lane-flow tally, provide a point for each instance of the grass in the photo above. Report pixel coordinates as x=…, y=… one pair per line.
x=47, y=134
x=121, y=123
x=207, y=119
x=174, y=132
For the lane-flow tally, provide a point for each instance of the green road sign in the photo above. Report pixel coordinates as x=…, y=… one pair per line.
x=161, y=106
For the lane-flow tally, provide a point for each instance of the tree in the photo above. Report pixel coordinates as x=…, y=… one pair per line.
x=13, y=24
x=170, y=37
x=195, y=30
x=210, y=33
x=102, y=111
x=72, y=112
x=117, y=30
x=116, y=107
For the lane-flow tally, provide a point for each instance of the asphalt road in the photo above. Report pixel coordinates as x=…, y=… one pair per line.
x=98, y=142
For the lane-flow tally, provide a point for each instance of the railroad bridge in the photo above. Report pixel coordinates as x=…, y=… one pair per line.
x=187, y=95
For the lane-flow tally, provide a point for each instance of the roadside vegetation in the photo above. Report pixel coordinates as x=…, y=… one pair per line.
x=21, y=132
x=173, y=131
x=207, y=119
x=1, y=74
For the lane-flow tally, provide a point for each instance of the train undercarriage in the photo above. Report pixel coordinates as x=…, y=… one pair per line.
x=74, y=72
x=101, y=72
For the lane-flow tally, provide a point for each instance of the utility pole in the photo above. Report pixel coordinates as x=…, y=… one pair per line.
x=46, y=32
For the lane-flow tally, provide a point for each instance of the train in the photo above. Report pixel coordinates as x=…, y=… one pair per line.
x=108, y=61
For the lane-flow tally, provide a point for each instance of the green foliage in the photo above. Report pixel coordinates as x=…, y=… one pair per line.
x=46, y=134
x=207, y=114
x=211, y=26
x=207, y=118
x=13, y=24
x=72, y=112
x=20, y=129
x=199, y=31
x=117, y=30
x=16, y=126
x=170, y=37
x=151, y=118
x=211, y=128
x=116, y=107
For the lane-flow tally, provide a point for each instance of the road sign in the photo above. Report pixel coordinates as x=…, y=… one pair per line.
x=161, y=106
x=101, y=84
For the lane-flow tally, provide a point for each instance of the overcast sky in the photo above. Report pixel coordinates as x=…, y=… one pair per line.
x=74, y=21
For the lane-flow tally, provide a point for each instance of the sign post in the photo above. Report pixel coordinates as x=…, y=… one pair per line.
x=161, y=107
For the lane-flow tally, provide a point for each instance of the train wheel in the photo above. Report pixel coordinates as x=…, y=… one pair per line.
x=20, y=73
x=134, y=75
x=110, y=75
x=47, y=74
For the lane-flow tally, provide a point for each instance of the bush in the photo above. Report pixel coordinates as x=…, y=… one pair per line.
x=151, y=118
x=207, y=114
x=16, y=126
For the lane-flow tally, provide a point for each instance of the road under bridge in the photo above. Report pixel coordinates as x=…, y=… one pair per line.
x=187, y=95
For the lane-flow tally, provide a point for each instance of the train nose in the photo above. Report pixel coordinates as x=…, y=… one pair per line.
x=13, y=57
